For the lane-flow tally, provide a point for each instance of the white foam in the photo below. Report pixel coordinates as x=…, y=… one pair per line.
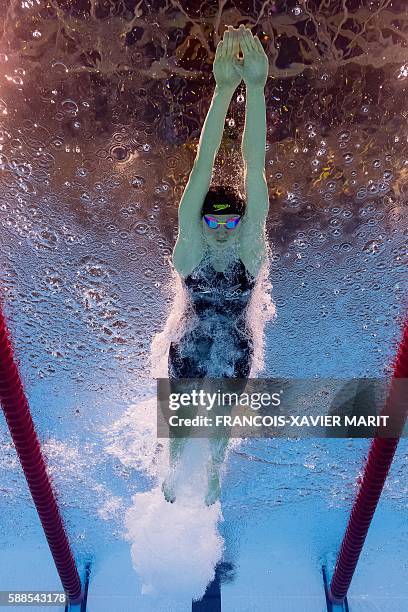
x=261, y=310
x=174, y=327
x=133, y=438
x=175, y=547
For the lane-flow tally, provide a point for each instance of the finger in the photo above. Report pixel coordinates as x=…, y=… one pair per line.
x=248, y=38
x=239, y=39
x=218, y=51
x=242, y=37
x=243, y=40
x=219, y=46
x=230, y=41
x=235, y=43
x=225, y=44
x=251, y=40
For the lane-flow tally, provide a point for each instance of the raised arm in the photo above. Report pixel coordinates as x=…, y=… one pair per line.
x=188, y=249
x=255, y=73
x=209, y=143
x=254, y=138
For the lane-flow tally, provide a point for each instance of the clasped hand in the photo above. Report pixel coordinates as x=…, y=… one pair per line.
x=229, y=69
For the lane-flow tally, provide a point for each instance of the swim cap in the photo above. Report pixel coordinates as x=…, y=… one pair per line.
x=223, y=201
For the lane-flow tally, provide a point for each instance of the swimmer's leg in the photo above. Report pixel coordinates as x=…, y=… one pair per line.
x=178, y=439
x=218, y=446
x=218, y=441
x=176, y=449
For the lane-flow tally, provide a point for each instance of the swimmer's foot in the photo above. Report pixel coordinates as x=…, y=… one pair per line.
x=214, y=487
x=168, y=492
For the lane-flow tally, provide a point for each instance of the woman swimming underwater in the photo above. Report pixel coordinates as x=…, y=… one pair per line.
x=221, y=246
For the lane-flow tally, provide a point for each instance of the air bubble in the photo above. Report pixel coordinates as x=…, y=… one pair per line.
x=335, y=222
x=57, y=143
x=112, y=228
x=137, y=181
x=141, y=228
x=344, y=136
x=119, y=153
x=373, y=246
x=70, y=107
x=59, y=66
x=85, y=197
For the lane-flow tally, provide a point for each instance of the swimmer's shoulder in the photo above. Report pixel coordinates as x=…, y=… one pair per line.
x=185, y=263
x=251, y=267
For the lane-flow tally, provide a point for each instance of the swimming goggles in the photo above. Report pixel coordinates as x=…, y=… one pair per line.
x=214, y=223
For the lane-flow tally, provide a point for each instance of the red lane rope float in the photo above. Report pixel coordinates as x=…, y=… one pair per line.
x=18, y=417
x=378, y=463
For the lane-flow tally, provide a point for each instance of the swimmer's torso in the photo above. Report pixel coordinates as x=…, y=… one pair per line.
x=218, y=344
x=225, y=293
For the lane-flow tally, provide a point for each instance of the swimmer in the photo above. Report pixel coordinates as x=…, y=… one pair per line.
x=221, y=242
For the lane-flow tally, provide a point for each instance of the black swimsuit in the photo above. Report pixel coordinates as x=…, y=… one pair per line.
x=218, y=344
